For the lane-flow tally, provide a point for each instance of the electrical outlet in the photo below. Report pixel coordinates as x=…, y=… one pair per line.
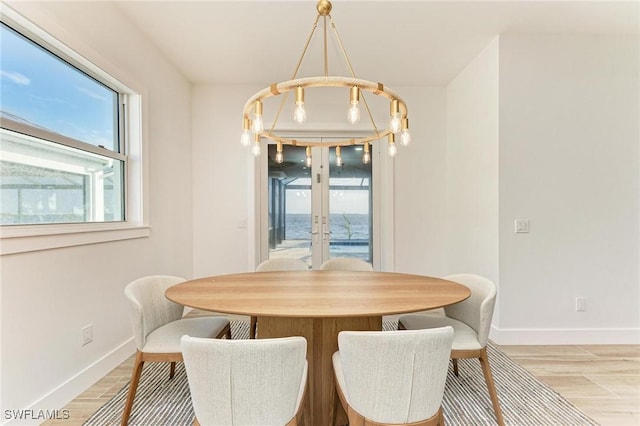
x=87, y=334
x=580, y=304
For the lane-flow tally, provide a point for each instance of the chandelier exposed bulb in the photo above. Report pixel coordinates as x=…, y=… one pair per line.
x=245, y=138
x=258, y=126
x=307, y=160
x=279, y=156
x=394, y=121
x=405, y=136
x=256, y=146
x=392, y=149
x=366, y=156
x=353, y=114
x=299, y=114
x=338, y=156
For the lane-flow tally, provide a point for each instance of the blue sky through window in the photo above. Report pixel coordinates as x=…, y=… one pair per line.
x=45, y=91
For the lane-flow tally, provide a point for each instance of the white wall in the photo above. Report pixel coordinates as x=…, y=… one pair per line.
x=47, y=296
x=546, y=128
x=419, y=180
x=569, y=138
x=222, y=171
x=472, y=168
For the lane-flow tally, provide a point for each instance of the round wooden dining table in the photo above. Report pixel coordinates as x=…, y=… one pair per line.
x=317, y=305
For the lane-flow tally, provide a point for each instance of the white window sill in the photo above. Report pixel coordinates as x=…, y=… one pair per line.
x=28, y=238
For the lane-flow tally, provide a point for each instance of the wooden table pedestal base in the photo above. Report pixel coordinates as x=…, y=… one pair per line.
x=322, y=342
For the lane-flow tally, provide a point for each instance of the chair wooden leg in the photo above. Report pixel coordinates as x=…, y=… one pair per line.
x=455, y=367
x=172, y=370
x=253, y=326
x=225, y=332
x=486, y=370
x=133, y=387
x=336, y=401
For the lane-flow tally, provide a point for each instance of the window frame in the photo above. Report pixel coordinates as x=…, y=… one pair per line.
x=132, y=151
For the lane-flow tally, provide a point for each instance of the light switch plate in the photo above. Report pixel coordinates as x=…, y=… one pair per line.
x=522, y=226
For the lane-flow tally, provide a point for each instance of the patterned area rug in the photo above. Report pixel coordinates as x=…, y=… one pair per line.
x=524, y=399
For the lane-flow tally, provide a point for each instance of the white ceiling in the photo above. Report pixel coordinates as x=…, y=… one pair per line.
x=395, y=42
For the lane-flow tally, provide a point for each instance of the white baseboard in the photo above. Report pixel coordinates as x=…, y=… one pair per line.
x=555, y=336
x=50, y=405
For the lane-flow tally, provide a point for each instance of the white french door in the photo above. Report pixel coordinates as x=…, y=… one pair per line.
x=313, y=209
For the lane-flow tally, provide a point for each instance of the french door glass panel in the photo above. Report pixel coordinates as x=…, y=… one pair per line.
x=289, y=205
x=350, y=205
x=319, y=212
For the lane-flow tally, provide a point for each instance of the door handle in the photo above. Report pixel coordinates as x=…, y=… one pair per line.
x=326, y=230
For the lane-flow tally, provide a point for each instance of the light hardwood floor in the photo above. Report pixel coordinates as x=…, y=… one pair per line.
x=603, y=381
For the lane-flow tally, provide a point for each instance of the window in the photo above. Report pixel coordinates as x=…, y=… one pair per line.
x=62, y=146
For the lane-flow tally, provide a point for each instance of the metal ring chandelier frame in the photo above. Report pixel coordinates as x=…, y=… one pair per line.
x=331, y=81
x=398, y=108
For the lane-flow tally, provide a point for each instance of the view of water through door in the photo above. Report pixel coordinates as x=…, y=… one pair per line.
x=318, y=210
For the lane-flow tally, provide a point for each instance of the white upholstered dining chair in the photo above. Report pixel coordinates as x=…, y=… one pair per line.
x=158, y=326
x=275, y=264
x=346, y=264
x=246, y=382
x=471, y=322
x=393, y=377
x=282, y=264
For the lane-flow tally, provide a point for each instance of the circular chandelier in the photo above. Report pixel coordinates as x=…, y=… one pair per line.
x=253, y=122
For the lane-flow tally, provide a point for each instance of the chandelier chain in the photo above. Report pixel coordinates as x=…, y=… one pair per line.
x=353, y=74
x=295, y=74
x=326, y=51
